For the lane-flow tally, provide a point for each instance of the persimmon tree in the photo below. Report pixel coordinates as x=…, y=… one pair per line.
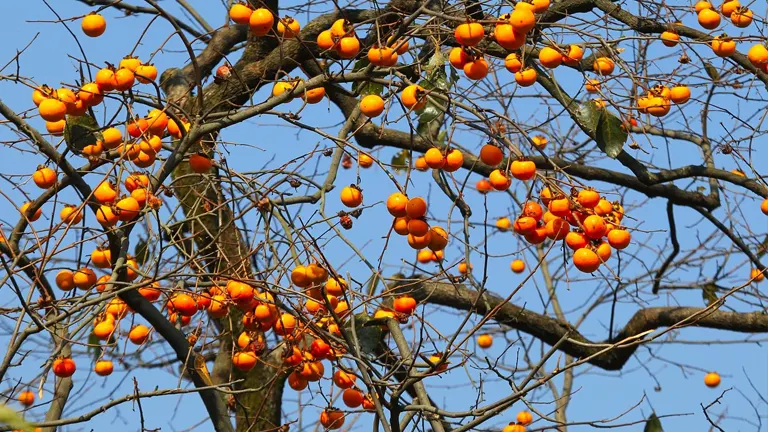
x=324, y=215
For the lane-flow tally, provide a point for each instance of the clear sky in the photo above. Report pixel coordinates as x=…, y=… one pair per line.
x=669, y=380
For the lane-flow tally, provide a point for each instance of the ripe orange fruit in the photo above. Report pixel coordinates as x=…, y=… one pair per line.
x=499, y=180
x=434, y=158
x=396, y=204
x=438, y=239
x=106, y=216
x=200, y=163
x=425, y=256
x=64, y=367
x=315, y=95
x=576, y=240
x=483, y=186
x=139, y=334
x=344, y=380
x=372, y=106
x=127, y=209
x=533, y=209
x=723, y=46
x=400, y=46
x=64, y=280
x=508, y=37
x=557, y=229
x=93, y=25
x=341, y=28
x=594, y=227
x=416, y=208
x=44, y=177
x=476, y=69
x=463, y=267
x=764, y=207
x=124, y=79
x=418, y=227
x=421, y=164
x=336, y=286
x=56, y=128
x=182, y=303
x=469, y=34
x=586, y=260
x=712, y=379
x=619, y=238
x=523, y=169
x=680, y=94
x=588, y=198
x=522, y=19
x=453, y=160
x=503, y=224
x=244, y=360
x=52, y=110
x=709, y=19
x=400, y=225
x=84, y=278
x=90, y=94
x=352, y=397
x=103, y=367
x=603, y=66
x=331, y=418
x=458, y=57
x=146, y=73
x=484, y=341
x=260, y=22
x=741, y=17
x=670, y=38
x=526, y=77
x=756, y=275
x=405, y=305
x=540, y=141
x=726, y=8
x=240, y=13
x=513, y=63
x=348, y=47
x=491, y=155
x=105, y=328
x=414, y=97
x=550, y=57
x=382, y=56
x=525, y=225
x=299, y=277
x=592, y=86
x=540, y=6
x=288, y=27
x=351, y=196
x=758, y=55
x=574, y=55
x=524, y=418
x=26, y=398
x=70, y=214
x=604, y=251
x=517, y=266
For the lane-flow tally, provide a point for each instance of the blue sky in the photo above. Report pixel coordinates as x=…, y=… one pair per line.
x=677, y=369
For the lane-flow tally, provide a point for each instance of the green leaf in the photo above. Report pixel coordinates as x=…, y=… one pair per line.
x=607, y=129
x=81, y=131
x=368, y=336
x=588, y=114
x=610, y=135
x=13, y=420
x=141, y=251
x=709, y=293
x=365, y=88
x=653, y=424
x=711, y=71
x=399, y=161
